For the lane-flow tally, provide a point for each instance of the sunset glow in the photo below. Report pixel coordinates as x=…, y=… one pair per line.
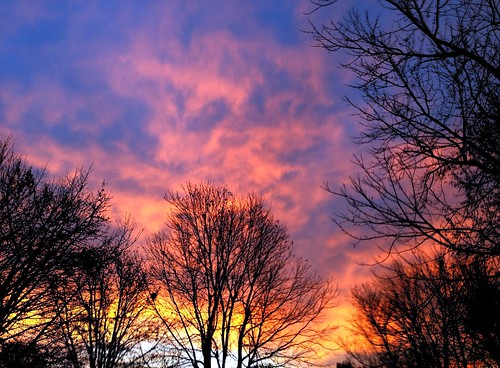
x=151, y=95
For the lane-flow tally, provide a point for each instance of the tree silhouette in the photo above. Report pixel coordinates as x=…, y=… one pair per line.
x=41, y=222
x=20, y=355
x=102, y=305
x=344, y=364
x=230, y=289
x=428, y=73
x=418, y=313
x=482, y=305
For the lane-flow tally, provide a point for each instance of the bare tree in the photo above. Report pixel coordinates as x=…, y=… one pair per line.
x=415, y=314
x=230, y=289
x=41, y=221
x=102, y=307
x=428, y=73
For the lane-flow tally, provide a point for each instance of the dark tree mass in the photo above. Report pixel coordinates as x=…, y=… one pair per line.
x=428, y=191
x=41, y=223
x=72, y=293
x=430, y=313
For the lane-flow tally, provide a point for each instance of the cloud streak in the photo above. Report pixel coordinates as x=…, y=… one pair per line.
x=154, y=95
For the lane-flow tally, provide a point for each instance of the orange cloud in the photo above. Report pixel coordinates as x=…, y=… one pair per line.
x=250, y=112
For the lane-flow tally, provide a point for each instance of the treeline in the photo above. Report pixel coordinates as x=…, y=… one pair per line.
x=72, y=289
x=428, y=188
x=219, y=285
x=435, y=311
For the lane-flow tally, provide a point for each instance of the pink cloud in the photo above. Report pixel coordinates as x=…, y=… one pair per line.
x=252, y=113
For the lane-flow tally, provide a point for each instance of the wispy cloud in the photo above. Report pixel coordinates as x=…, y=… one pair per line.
x=153, y=95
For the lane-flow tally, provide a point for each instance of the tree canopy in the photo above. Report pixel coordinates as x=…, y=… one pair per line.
x=230, y=289
x=428, y=187
x=72, y=292
x=429, y=76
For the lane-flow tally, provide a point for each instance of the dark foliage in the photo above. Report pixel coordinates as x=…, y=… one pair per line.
x=72, y=291
x=20, y=355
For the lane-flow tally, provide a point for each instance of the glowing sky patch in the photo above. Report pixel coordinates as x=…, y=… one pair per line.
x=153, y=94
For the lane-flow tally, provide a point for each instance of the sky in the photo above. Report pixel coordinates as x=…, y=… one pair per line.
x=152, y=94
